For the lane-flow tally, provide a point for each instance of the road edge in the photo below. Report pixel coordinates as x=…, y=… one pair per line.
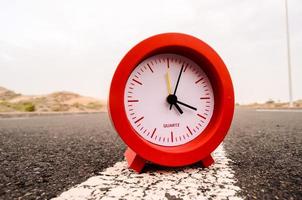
x=34, y=114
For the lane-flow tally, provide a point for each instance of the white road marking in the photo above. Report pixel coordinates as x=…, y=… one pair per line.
x=119, y=182
x=278, y=110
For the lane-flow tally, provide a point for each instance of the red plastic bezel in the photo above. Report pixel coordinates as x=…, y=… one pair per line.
x=218, y=74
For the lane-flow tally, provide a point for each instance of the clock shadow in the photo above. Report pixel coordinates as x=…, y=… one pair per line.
x=152, y=168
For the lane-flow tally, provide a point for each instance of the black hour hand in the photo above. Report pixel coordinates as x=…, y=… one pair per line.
x=178, y=108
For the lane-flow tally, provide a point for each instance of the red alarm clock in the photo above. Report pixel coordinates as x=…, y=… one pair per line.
x=171, y=101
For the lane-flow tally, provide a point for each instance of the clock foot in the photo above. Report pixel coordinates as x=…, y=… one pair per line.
x=135, y=162
x=207, y=161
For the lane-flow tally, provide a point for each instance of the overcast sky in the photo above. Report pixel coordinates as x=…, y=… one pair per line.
x=48, y=46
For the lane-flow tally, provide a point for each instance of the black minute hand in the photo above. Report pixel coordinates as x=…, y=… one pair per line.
x=177, y=82
x=184, y=104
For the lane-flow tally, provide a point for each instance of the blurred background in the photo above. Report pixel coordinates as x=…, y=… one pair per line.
x=48, y=46
x=59, y=56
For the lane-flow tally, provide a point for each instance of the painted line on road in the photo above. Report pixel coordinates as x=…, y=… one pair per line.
x=119, y=182
x=277, y=110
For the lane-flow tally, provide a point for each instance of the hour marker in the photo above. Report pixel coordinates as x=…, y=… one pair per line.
x=150, y=68
x=132, y=100
x=189, y=130
x=168, y=62
x=186, y=67
x=147, y=76
x=139, y=120
x=153, y=132
x=201, y=116
x=198, y=80
x=137, y=81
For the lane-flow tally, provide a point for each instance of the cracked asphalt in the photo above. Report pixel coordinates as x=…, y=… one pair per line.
x=266, y=148
x=41, y=157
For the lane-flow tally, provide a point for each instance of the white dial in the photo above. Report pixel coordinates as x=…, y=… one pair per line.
x=168, y=121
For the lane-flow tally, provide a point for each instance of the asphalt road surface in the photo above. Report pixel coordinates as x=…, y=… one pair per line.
x=41, y=157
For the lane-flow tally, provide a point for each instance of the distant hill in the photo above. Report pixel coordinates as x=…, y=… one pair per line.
x=273, y=105
x=54, y=102
x=6, y=94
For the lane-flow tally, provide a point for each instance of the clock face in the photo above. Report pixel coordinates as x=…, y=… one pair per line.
x=168, y=99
